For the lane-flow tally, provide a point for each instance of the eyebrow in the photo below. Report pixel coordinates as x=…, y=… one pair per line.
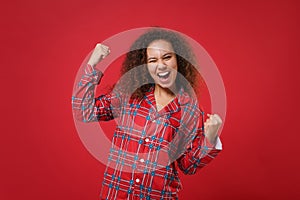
x=151, y=58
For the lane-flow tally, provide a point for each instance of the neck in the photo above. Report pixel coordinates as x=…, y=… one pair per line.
x=163, y=92
x=163, y=97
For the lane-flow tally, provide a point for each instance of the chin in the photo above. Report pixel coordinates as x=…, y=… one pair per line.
x=166, y=85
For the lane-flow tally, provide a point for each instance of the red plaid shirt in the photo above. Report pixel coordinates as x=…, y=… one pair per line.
x=148, y=146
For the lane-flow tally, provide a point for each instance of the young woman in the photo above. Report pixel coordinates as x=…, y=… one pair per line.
x=160, y=127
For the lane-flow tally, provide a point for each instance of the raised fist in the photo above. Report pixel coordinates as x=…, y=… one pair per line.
x=100, y=52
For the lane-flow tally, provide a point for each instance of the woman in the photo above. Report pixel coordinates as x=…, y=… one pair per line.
x=159, y=122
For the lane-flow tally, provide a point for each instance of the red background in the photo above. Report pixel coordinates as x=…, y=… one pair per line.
x=255, y=45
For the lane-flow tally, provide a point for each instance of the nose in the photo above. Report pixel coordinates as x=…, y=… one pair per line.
x=161, y=65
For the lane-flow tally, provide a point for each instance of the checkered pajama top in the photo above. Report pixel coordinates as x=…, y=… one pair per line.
x=148, y=146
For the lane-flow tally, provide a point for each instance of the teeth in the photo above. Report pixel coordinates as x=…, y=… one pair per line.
x=162, y=74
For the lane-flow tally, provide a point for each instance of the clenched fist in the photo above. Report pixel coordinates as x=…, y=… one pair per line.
x=211, y=127
x=100, y=52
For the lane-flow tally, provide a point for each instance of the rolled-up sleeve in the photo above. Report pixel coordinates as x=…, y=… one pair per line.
x=85, y=106
x=199, y=152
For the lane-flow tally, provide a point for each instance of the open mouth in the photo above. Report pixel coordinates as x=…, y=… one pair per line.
x=164, y=75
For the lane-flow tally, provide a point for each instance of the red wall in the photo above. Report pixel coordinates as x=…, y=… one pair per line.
x=255, y=45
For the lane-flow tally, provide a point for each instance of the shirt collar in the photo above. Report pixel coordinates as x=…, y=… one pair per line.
x=182, y=98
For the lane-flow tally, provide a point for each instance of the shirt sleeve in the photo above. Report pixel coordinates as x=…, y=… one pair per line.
x=199, y=152
x=85, y=106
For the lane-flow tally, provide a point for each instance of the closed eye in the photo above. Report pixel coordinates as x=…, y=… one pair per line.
x=151, y=61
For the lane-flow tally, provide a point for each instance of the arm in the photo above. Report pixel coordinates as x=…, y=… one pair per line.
x=85, y=106
x=200, y=151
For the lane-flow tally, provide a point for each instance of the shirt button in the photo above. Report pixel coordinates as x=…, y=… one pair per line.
x=137, y=180
x=142, y=160
x=147, y=140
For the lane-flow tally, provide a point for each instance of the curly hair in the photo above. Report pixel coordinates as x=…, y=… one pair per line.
x=137, y=58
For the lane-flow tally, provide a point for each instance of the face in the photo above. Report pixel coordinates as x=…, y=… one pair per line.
x=162, y=63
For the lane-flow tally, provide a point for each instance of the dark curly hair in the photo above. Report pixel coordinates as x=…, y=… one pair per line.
x=137, y=58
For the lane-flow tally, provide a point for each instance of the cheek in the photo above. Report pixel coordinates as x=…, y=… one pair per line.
x=151, y=68
x=173, y=64
x=174, y=67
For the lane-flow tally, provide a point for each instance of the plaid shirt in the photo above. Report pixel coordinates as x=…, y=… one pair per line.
x=148, y=146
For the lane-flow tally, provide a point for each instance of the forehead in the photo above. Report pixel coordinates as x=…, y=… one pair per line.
x=159, y=46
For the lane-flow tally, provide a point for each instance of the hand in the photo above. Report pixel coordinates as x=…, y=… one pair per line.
x=100, y=52
x=211, y=127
